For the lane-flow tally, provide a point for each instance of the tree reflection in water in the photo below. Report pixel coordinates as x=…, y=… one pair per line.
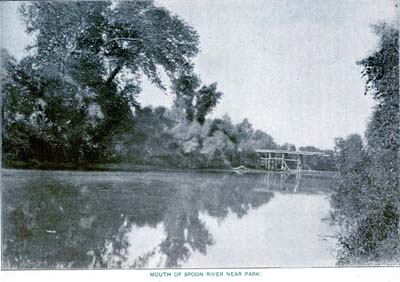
x=50, y=223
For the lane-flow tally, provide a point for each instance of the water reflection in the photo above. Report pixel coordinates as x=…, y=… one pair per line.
x=55, y=220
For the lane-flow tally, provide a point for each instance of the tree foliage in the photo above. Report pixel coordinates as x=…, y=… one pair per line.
x=381, y=70
x=196, y=102
x=78, y=85
x=366, y=199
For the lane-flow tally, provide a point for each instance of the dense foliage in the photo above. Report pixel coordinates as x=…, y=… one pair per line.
x=166, y=137
x=66, y=99
x=366, y=199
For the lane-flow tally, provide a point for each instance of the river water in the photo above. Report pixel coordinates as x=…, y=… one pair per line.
x=56, y=219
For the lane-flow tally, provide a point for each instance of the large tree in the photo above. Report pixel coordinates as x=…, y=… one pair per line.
x=83, y=72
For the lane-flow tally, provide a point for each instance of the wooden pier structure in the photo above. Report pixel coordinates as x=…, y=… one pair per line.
x=283, y=160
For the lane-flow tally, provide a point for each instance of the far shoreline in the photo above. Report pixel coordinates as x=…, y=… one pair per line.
x=128, y=167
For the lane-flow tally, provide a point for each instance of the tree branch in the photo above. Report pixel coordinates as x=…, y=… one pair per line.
x=113, y=74
x=123, y=38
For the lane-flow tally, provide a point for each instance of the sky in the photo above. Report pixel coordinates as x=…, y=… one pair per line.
x=288, y=66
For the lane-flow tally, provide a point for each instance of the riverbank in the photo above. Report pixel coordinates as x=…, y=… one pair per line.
x=129, y=167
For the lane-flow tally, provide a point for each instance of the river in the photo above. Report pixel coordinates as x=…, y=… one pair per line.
x=60, y=219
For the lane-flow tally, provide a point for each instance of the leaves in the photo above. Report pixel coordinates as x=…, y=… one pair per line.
x=366, y=198
x=196, y=103
x=86, y=64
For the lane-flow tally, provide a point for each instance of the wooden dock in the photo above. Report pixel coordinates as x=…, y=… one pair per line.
x=283, y=160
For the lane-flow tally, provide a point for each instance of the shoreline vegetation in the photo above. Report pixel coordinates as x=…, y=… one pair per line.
x=366, y=199
x=128, y=167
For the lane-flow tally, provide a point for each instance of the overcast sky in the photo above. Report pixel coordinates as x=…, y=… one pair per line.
x=286, y=65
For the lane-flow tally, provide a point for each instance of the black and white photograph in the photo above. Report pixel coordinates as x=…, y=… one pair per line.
x=200, y=134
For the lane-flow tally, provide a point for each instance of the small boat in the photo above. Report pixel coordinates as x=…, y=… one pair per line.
x=240, y=169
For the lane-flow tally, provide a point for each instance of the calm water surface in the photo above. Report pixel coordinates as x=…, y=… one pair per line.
x=164, y=219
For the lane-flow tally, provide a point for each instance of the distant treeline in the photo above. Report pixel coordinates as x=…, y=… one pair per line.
x=72, y=100
x=164, y=137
